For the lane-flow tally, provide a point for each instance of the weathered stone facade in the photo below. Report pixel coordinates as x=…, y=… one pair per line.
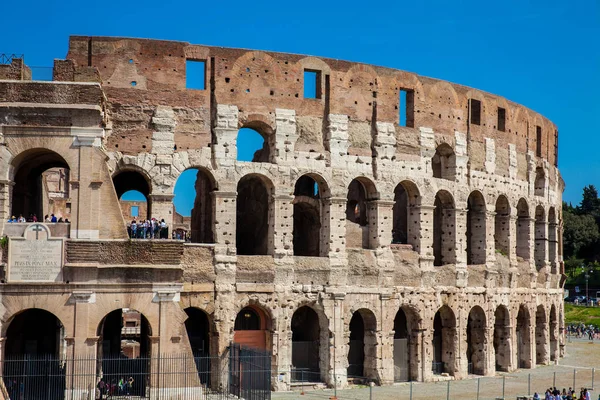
x=442, y=235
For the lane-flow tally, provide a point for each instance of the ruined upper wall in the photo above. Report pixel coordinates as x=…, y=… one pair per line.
x=143, y=73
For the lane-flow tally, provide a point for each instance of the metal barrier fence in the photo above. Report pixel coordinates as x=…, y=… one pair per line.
x=153, y=378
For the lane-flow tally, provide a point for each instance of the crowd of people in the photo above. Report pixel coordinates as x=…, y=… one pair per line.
x=52, y=219
x=106, y=390
x=148, y=229
x=555, y=394
x=583, y=331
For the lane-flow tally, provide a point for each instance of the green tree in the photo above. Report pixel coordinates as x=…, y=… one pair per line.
x=590, y=204
x=580, y=233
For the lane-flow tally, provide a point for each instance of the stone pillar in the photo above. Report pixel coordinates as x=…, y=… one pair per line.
x=337, y=241
x=420, y=234
x=462, y=158
x=225, y=133
x=224, y=217
x=380, y=218
x=542, y=345
x=338, y=342
x=385, y=335
x=285, y=135
x=554, y=344
x=459, y=239
x=552, y=247
x=162, y=208
x=336, y=138
x=490, y=244
x=384, y=144
x=5, y=202
x=541, y=244
x=488, y=349
x=426, y=346
x=283, y=238
x=512, y=239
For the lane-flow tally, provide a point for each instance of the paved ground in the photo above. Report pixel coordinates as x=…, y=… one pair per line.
x=581, y=357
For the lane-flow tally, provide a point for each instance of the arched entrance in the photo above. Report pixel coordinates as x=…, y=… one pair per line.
x=251, y=328
x=362, y=346
x=502, y=343
x=133, y=191
x=476, y=229
x=406, y=352
x=41, y=185
x=502, y=226
x=306, y=349
x=476, y=330
x=32, y=367
x=541, y=334
x=360, y=192
x=554, y=332
x=523, y=338
x=443, y=162
x=406, y=195
x=309, y=209
x=540, y=237
x=444, y=341
x=197, y=327
x=444, y=218
x=124, y=349
x=254, y=206
x=523, y=229
x=194, y=213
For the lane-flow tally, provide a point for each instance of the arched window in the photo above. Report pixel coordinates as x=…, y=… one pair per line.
x=406, y=196
x=444, y=341
x=306, y=344
x=252, y=216
x=41, y=186
x=540, y=237
x=309, y=212
x=444, y=231
x=476, y=339
x=253, y=142
x=523, y=229
x=193, y=206
x=523, y=341
x=541, y=334
x=358, y=224
x=540, y=181
x=502, y=226
x=443, y=163
x=476, y=229
x=502, y=342
x=552, y=239
x=133, y=191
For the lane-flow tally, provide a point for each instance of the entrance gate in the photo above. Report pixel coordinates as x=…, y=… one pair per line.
x=249, y=373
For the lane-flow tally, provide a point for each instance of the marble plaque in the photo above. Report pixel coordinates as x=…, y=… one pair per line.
x=35, y=257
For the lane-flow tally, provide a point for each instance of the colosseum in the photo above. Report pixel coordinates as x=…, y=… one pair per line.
x=393, y=227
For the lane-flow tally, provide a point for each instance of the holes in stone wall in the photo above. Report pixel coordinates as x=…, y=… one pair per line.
x=195, y=74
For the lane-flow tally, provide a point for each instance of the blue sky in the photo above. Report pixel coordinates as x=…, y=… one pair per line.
x=542, y=54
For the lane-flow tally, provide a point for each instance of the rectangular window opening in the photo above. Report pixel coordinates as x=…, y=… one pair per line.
x=135, y=211
x=407, y=108
x=312, y=84
x=501, y=119
x=195, y=74
x=475, y=112
x=538, y=141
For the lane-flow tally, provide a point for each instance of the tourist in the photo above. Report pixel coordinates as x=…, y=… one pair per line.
x=46, y=218
x=21, y=218
x=164, y=231
x=129, y=385
x=53, y=218
x=133, y=229
x=536, y=396
x=34, y=218
x=60, y=220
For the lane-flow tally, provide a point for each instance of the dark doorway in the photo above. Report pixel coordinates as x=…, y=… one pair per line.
x=198, y=328
x=401, y=348
x=252, y=221
x=306, y=345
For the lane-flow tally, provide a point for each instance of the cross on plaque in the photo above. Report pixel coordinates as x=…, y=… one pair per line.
x=37, y=228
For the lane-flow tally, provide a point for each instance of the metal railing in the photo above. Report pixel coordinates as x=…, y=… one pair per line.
x=6, y=58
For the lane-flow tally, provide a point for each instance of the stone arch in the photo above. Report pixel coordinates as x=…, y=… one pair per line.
x=252, y=327
x=477, y=341
x=443, y=162
x=554, y=334
x=553, y=239
x=201, y=224
x=540, y=181
x=523, y=229
x=362, y=345
x=445, y=341
x=128, y=179
x=444, y=229
x=540, y=237
x=502, y=237
x=311, y=213
x=541, y=336
x=34, y=334
x=264, y=129
x=406, y=344
x=404, y=228
x=476, y=229
x=254, y=213
x=310, y=344
x=254, y=74
x=361, y=229
x=523, y=332
x=502, y=339
x=31, y=171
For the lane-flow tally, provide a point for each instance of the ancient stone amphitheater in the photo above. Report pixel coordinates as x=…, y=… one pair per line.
x=393, y=227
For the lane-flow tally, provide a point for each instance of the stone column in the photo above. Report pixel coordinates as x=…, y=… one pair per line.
x=225, y=130
x=380, y=217
x=420, y=234
x=337, y=240
x=552, y=247
x=490, y=244
x=162, y=208
x=459, y=240
x=224, y=219
x=5, y=202
x=541, y=244
x=385, y=335
x=283, y=238
x=336, y=138
x=338, y=342
x=285, y=135
x=512, y=239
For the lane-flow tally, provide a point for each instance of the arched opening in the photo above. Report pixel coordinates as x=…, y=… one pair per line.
x=540, y=181
x=476, y=234
x=444, y=229
x=502, y=343
x=540, y=238
x=523, y=229
x=308, y=214
x=133, y=191
x=358, y=219
x=252, y=216
x=306, y=349
x=523, y=338
x=251, y=328
x=406, y=196
x=193, y=206
x=362, y=347
x=502, y=226
x=476, y=330
x=541, y=334
x=444, y=341
x=405, y=349
x=252, y=143
x=41, y=186
x=32, y=367
x=197, y=326
x=554, y=332
x=552, y=240
x=443, y=162
x=124, y=347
